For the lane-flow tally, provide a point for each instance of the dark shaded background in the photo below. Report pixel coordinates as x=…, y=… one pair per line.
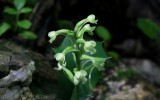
x=118, y=16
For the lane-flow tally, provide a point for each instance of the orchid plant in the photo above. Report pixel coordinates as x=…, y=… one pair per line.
x=82, y=52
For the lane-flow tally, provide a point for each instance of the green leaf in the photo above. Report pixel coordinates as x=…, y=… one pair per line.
x=10, y=11
x=114, y=55
x=19, y=4
x=84, y=89
x=103, y=33
x=150, y=28
x=3, y=28
x=26, y=10
x=100, y=52
x=25, y=24
x=65, y=85
x=28, y=35
x=69, y=74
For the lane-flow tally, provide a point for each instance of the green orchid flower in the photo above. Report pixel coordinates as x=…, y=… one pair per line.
x=60, y=57
x=80, y=24
x=98, y=63
x=61, y=66
x=53, y=34
x=91, y=19
x=80, y=76
x=89, y=46
x=86, y=28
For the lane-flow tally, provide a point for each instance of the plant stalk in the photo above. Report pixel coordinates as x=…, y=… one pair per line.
x=17, y=19
x=77, y=90
x=78, y=62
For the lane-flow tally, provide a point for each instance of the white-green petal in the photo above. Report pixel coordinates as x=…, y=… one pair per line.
x=60, y=57
x=84, y=80
x=61, y=66
x=87, y=27
x=99, y=63
x=89, y=46
x=52, y=35
x=93, y=43
x=91, y=19
x=92, y=51
x=78, y=74
x=51, y=40
x=75, y=81
x=83, y=73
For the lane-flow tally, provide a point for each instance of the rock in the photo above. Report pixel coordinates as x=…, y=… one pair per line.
x=138, y=87
x=129, y=93
x=17, y=80
x=121, y=90
x=146, y=68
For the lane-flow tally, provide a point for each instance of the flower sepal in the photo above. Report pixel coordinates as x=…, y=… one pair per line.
x=96, y=61
x=60, y=66
x=80, y=76
x=86, y=28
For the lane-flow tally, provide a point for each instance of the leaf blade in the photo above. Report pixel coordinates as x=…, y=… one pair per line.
x=3, y=28
x=25, y=24
x=10, y=11
x=26, y=10
x=28, y=35
x=148, y=27
x=103, y=33
x=19, y=4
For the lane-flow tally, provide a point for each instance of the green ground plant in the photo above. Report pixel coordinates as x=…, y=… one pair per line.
x=16, y=23
x=80, y=60
x=149, y=28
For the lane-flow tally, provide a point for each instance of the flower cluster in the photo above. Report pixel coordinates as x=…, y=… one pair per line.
x=82, y=49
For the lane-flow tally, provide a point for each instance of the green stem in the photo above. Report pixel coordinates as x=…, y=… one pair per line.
x=78, y=62
x=77, y=90
x=17, y=19
x=78, y=55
